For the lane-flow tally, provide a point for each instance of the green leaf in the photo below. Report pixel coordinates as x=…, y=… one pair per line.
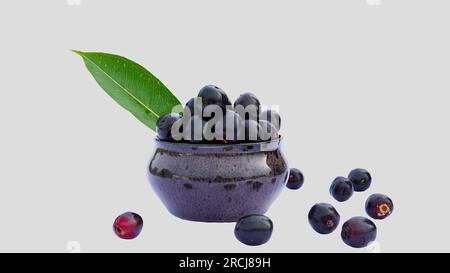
x=131, y=85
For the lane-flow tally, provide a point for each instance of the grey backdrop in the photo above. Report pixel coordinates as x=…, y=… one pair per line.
x=360, y=83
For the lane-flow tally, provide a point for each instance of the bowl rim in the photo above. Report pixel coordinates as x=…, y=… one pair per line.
x=268, y=145
x=217, y=145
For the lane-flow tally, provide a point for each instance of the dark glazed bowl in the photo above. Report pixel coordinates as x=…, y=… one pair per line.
x=217, y=183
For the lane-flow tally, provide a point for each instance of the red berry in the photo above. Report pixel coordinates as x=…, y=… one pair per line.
x=128, y=225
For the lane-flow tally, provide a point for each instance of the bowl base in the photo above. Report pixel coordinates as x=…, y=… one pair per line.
x=214, y=219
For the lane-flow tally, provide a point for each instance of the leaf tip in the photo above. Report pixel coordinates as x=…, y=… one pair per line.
x=77, y=52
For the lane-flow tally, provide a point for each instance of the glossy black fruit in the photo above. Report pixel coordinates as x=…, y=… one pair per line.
x=193, y=107
x=193, y=131
x=271, y=116
x=213, y=95
x=250, y=104
x=379, y=206
x=253, y=230
x=164, y=125
x=361, y=179
x=268, y=131
x=221, y=129
x=323, y=218
x=341, y=189
x=295, y=180
x=358, y=232
x=229, y=127
x=251, y=132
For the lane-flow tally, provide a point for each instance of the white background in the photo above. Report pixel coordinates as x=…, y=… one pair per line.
x=358, y=85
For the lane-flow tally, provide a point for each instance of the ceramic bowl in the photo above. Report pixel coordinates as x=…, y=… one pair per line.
x=217, y=183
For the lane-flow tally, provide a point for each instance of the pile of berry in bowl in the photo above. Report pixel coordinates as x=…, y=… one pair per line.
x=211, y=118
x=217, y=161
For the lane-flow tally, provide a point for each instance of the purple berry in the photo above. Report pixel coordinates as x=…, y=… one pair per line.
x=164, y=125
x=227, y=128
x=361, y=179
x=251, y=131
x=248, y=102
x=341, y=189
x=268, y=131
x=192, y=108
x=379, y=206
x=295, y=180
x=358, y=232
x=253, y=230
x=213, y=95
x=272, y=117
x=193, y=131
x=323, y=218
